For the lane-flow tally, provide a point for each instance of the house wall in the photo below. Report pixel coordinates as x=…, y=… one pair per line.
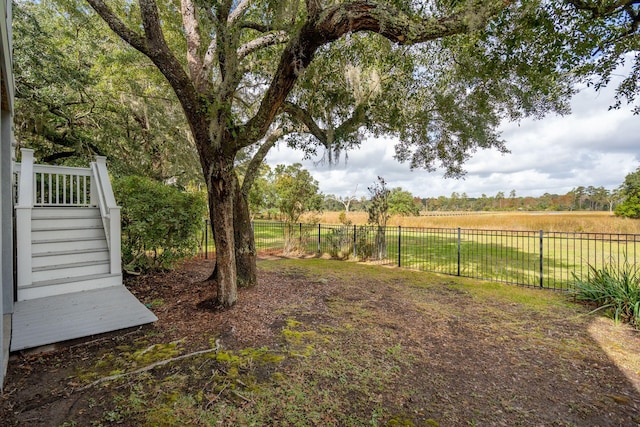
x=6, y=202
x=6, y=209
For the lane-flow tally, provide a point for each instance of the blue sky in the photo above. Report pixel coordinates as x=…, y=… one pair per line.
x=591, y=146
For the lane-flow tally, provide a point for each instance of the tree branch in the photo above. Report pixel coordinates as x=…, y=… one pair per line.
x=258, y=158
x=601, y=9
x=190, y=22
x=152, y=29
x=340, y=19
x=301, y=115
x=150, y=367
x=314, y=8
x=119, y=27
x=154, y=46
x=207, y=63
x=238, y=11
x=354, y=122
x=261, y=42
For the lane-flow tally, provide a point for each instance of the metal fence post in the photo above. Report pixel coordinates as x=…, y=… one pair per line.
x=458, y=251
x=355, y=242
x=541, y=260
x=399, y=246
x=319, y=253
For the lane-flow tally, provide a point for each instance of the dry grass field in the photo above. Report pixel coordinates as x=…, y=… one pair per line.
x=579, y=222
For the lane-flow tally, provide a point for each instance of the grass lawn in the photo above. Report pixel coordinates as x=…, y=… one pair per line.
x=322, y=342
x=505, y=256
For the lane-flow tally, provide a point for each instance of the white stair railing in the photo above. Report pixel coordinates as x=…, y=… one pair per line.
x=60, y=186
x=102, y=196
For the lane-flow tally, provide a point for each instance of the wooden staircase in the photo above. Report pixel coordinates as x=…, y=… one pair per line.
x=69, y=274
x=67, y=229
x=69, y=252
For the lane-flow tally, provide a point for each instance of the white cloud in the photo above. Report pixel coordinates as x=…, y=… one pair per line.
x=592, y=146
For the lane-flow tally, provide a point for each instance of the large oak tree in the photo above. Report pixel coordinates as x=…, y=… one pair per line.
x=248, y=73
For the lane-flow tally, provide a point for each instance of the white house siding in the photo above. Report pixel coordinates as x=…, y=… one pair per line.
x=6, y=203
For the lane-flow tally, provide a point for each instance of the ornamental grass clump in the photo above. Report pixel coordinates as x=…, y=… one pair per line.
x=614, y=288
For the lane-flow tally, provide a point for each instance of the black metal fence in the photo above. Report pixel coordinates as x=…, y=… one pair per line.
x=532, y=258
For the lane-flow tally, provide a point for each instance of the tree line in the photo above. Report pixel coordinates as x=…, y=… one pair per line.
x=277, y=191
x=578, y=199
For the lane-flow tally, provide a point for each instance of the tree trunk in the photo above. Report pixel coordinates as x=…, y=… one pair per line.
x=221, y=191
x=244, y=242
x=245, y=248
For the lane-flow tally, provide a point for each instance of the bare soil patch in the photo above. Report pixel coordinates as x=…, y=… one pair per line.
x=333, y=343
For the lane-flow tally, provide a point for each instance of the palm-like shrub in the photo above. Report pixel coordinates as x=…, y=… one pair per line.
x=614, y=288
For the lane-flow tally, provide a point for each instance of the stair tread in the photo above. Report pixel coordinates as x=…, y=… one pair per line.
x=53, y=218
x=43, y=209
x=71, y=265
x=70, y=252
x=95, y=215
x=82, y=227
x=68, y=280
x=65, y=213
x=68, y=239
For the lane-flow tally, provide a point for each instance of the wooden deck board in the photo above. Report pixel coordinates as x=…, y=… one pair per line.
x=59, y=318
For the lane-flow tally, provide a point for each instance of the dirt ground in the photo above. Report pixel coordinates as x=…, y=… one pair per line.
x=455, y=361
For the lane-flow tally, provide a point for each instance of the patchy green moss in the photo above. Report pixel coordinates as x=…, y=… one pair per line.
x=293, y=323
x=278, y=377
x=246, y=358
x=298, y=337
x=404, y=422
x=155, y=353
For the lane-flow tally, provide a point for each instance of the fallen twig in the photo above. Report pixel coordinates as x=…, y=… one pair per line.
x=150, y=367
x=246, y=399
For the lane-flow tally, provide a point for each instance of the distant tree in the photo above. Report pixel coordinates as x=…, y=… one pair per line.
x=401, y=203
x=499, y=198
x=344, y=201
x=331, y=203
x=262, y=196
x=443, y=203
x=630, y=190
x=579, y=196
x=614, y=197
x=454, y=203
x=378, y=211
x=464, y=201
x=296, y=192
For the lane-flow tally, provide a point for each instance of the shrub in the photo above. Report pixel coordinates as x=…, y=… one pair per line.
x=613, y=288
x=364, y=248
x=340, y=241
x=159, y=222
